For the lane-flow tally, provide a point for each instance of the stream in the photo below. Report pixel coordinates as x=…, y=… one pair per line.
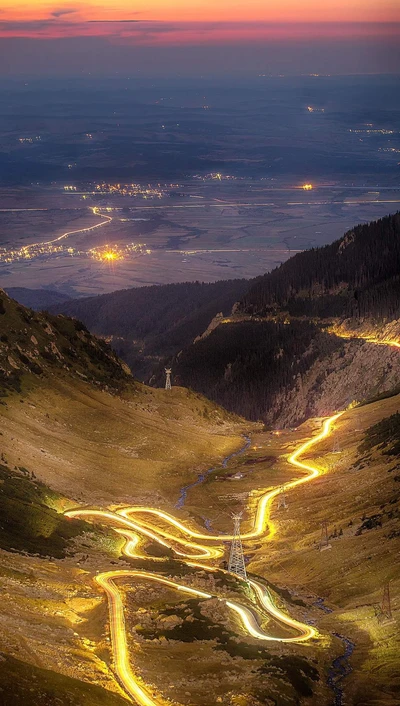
x=339, y=669
x=202, y=476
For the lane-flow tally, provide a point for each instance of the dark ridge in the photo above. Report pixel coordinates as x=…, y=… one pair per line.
x=357, y=276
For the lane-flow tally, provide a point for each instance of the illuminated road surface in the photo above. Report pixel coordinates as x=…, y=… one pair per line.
x=108, y=219
x=368, y=337
x=181, y=543
x=120, y=647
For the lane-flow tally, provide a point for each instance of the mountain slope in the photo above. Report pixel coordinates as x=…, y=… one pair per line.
x=147, y=324
x=76, y=428
x=357, y=276
x=277, y=357
x=38, y=299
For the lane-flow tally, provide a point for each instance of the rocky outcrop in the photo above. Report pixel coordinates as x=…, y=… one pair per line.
x=357, y=371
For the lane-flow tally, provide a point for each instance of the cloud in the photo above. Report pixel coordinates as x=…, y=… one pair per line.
x=154, y=33
x=112, y=21
x=64, y=11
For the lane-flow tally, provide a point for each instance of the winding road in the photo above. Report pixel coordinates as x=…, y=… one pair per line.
x=64, y=236
x=138, y=523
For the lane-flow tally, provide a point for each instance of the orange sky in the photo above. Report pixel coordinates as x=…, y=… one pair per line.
x=205, y=10
x=200, y=22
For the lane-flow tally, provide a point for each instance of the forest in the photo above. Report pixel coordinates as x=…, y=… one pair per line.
x=245, y=365
x=357, y=276
x=151, y=323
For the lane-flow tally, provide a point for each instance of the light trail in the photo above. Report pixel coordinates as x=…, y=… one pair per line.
x=368, y=337
x=262, y=516
x=26, y=248
x=119, y=641
x=132, y=531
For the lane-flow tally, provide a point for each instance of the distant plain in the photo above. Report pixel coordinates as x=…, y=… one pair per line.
x=224, y=167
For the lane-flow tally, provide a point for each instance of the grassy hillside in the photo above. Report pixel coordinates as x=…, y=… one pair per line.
x=340, y=589
x=95, y=445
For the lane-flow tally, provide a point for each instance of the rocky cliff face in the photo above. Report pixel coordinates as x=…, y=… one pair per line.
x=43, y=344
x=357, y=371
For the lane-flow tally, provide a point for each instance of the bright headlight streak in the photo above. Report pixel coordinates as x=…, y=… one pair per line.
x=118, y=629
x=129, y=529
x=108, y=219
x=119, y=641
x=368, y=337
x=262, y=512
x=204, y=552
x=263, y=595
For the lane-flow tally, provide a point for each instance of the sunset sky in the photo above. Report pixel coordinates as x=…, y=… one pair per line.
x=176, y=24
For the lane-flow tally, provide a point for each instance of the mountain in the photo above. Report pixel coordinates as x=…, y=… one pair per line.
x=147, y=324
x=38, y=299
x=76, y=428
x=298, y=344
x=357, y=276
x=43, y=345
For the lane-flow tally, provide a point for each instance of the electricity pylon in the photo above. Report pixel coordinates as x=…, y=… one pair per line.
x=324, y=541
x=386, y=606
x=236, y=558
x=168, y=372
x=282, y=504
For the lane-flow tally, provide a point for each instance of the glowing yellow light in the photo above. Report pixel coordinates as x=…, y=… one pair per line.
x=368, y=337
x=307, y=187
x=132, y=530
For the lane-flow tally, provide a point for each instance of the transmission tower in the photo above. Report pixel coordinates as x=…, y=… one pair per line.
x=168, y=372
x=324, y=541
x=336, y=447
x=236, y=558
x=282, y=504
x=386, y=606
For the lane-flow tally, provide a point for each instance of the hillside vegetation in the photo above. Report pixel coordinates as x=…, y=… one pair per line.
x=277, y=358
x=148, y=324
x=357, y=276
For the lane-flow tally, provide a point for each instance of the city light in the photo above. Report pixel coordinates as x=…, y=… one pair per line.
x=54, y=248
x=307, y=187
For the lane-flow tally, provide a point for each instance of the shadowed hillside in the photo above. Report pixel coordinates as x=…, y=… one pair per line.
x=147, y=324
x=357, y=276
x=276, y=357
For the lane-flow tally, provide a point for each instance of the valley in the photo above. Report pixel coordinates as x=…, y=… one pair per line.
x=118, y=498
x=278, y=637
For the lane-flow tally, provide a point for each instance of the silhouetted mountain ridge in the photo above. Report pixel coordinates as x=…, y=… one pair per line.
x=276, y=359
x=356, y=276
x=147, y=324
